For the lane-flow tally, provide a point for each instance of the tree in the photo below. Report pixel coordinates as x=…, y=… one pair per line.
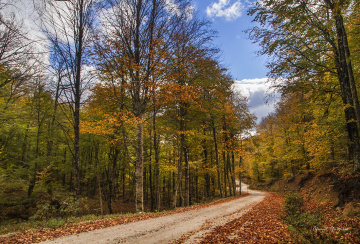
x=67, y=25
x=302, y=135
x=161, y=98
x=308, y=41
x=190, y=47
x=133, y=49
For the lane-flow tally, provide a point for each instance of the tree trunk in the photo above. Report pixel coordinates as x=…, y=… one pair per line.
x=157, y=163
x=226, y=173
x=78, y=63
x=240, y=164
x=233, y=172
x=178, y=180
x=145, y=183
x=35, y=169
x=183, y=156
x=112, y=177
x=217, y=159
x=187, y=178
x=109, y=190
x=344, y=47
x=197, y=197
x=347, y=85
x=139, y=198
x=228, y=161
x=151, y=181
x=32, y=181
x=205, y=166
x=100, y=194
x=50, y=141
x=123, y=177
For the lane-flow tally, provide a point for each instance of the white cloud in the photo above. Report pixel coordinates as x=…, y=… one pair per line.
x=262, y=98
x=25, y=18
x=189, y=11
x=250, y=86
x=230, y=10
x=172, y=7
x=25, y=13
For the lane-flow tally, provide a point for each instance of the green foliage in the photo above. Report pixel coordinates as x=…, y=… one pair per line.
x=13, y=200
x=46, y=211
x=308, y=130
x=63, y=209
x=293, y=205
x=55, y=223
x=302, y=224
x=300, y=136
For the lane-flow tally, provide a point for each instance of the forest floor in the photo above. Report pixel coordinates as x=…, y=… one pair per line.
x=253, y=218
x=261, y=224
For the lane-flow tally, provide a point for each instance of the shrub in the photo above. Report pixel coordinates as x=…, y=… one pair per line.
x=294, y=204
x=301, y=223
x=55, y=223
x=54, y=209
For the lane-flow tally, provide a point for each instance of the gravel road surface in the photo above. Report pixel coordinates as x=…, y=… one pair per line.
x=195, y=224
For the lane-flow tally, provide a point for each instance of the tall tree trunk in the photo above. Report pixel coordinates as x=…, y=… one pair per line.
x=151, y=181
x=50, y=141
x=184, y=148
x=225, y=173
x=227, y=158
x=183, y=156
x=187, y=178
x=157, y=162
x=229, y=173
x=98, y=179
x=139, y=198
x=100, y=194
x=145, y=183
x=344, y=48
x=347, y=85
x=197, y=197
x=138, y=106
x=35, y=169
x=350, y=112
x=240, y=164
x=32, y=180
x=78, y=63
x=206, y=166
x=233, y=172
x=240, y=179
x=178, y=179
x=109, y=183
x=217, y=159
x=123, y=177
x=112, y=176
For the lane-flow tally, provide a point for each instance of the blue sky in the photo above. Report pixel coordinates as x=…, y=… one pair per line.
x=229, y=18
x=238, y=52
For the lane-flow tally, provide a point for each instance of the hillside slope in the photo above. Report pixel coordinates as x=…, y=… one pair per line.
x=331, y=206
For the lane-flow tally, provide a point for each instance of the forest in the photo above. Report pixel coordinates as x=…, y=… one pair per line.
x=313, y=50
x=124, y=105
x=127, y=105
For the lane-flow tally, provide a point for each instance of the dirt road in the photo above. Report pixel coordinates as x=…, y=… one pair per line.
x=169, y=228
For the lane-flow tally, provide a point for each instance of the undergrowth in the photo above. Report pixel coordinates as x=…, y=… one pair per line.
x=304, y=226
